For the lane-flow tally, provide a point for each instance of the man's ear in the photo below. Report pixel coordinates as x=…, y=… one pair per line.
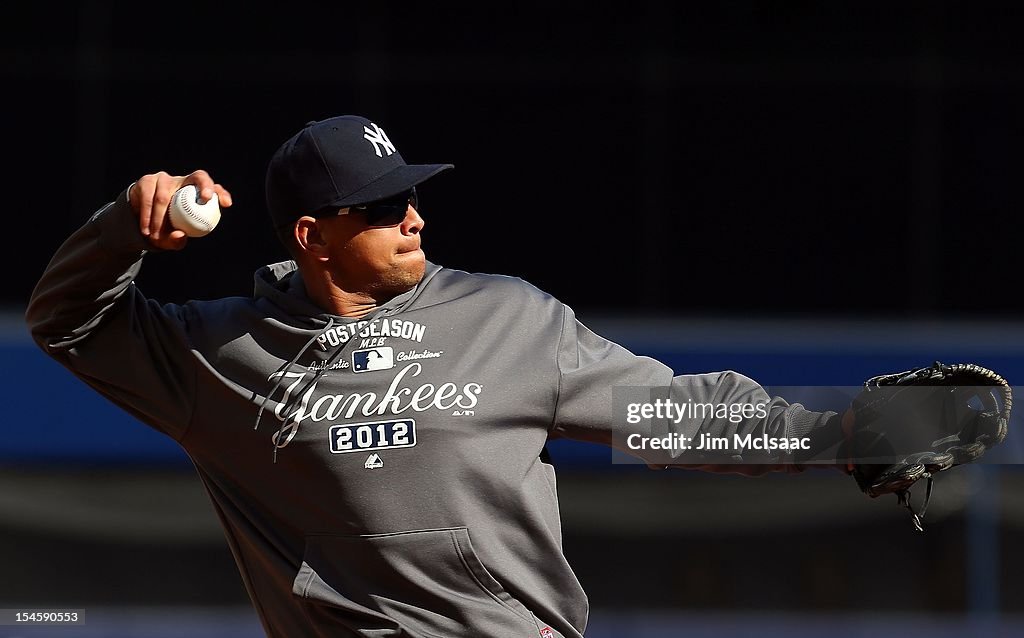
x=309, y=238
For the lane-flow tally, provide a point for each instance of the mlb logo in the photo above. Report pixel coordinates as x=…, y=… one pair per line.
x=382, y=358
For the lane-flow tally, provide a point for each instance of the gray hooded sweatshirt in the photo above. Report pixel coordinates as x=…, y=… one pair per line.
x=381, y=476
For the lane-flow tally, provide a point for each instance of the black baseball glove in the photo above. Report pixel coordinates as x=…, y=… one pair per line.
x=908, y=426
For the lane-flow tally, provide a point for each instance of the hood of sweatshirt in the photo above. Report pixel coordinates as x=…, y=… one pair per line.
x=281, y=285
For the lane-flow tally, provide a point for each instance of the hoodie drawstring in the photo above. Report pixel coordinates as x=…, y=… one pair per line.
x=284, y=423
x=280, y=380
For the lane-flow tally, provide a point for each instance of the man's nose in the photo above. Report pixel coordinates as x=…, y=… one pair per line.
x=412, y=223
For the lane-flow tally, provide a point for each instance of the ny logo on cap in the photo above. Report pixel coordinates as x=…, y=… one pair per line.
x=378, y=138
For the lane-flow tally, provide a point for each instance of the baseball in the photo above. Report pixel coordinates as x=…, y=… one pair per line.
x=189, y=215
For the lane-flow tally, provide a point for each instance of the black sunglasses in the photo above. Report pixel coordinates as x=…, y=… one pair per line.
x=387, y=212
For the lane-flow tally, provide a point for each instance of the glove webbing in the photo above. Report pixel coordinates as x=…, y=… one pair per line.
x=903, y=497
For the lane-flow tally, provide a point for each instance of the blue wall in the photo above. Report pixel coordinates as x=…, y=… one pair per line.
x=56, y=418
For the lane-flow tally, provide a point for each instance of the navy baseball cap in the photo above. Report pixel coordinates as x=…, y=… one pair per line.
x=338, y=162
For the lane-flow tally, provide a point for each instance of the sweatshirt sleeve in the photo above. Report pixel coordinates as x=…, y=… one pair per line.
x=87, y=314
x=599, y=378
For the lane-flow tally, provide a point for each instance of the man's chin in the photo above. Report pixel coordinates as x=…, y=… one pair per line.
x=405, y=275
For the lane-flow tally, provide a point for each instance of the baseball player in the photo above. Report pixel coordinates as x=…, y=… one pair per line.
x=369, y=425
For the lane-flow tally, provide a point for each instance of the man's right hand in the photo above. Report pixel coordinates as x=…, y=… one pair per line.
x=150, y=196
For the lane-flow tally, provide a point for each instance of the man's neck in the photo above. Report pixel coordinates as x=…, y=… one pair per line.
x=342, y=303
x=335, y=299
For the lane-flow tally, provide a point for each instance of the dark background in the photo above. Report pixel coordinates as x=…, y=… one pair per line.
x=718, y=161
x=832, y=158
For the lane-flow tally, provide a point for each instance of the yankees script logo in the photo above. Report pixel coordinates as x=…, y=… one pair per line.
x=379, y=139
x=396, y=400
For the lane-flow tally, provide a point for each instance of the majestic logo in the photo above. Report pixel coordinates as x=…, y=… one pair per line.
x=382, y=358
x=379, y=139
x=547, y=633
x=367, y=437
x=373, y=462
